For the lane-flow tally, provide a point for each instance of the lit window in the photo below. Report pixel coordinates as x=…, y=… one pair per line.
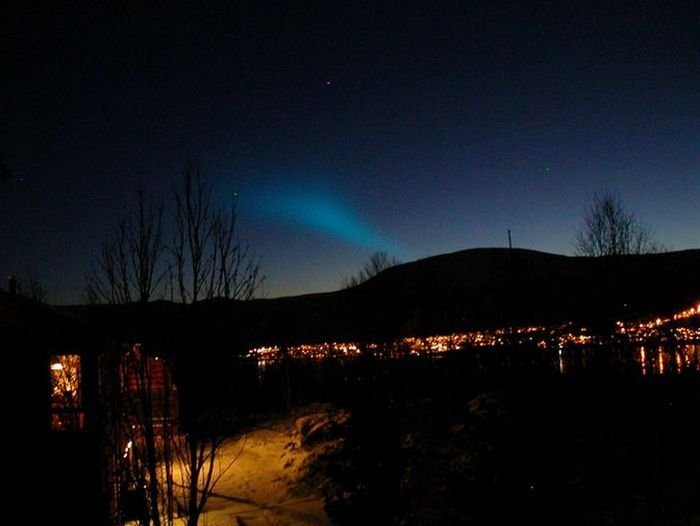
x=66, y=403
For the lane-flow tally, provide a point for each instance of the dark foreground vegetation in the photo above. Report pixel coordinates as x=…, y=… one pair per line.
x=504, y=440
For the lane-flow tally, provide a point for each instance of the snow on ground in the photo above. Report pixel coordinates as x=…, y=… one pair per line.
x=265, y=485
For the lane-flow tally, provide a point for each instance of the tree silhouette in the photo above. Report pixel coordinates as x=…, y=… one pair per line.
x=377, y=262
x=209, y=259
x=206, y=260
x=610, y=229
x=31, y=287
x=130, y=265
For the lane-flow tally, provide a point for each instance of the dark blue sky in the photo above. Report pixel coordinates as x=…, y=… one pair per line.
x=346, y=130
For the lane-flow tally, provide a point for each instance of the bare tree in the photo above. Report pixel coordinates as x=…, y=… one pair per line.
x=236, y=271
x=609, y=229
x=137, y=421
x=164, y=462
x=193, y=234
x=200, y=463
x=31, y=287
x=109, y=282
x=130, y=264
x=145, y=238
x=378, y=262
x=209, y=260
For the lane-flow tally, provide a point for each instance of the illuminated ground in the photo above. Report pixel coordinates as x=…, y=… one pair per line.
x=265, y=484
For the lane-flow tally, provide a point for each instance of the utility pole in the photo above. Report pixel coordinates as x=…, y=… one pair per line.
x=510, y=241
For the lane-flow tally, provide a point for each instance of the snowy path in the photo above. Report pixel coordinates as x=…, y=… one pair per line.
x=264, y=485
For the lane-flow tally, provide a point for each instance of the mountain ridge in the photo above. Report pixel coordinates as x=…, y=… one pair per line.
x=486, y=287
x=471, y=289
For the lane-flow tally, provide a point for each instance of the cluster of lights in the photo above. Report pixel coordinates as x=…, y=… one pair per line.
x=661, y=328
x=688, y=313
x=128, y=447
x=422, y=346
x=686, y=334
x=558, y=337
x=574, y=339
x=315, y=351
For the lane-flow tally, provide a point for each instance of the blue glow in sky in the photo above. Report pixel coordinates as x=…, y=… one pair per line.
x=347, y=128
x=309, y=207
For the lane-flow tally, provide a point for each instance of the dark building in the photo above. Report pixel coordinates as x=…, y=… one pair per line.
x=51, y=433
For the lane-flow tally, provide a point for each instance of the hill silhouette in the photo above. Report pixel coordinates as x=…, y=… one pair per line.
x=483, y=288
x=466, y=290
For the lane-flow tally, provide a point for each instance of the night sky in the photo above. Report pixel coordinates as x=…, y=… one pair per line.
x=347, y=130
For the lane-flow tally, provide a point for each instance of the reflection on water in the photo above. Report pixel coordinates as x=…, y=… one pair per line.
x=561, y=360
x=678, y=359
x=645, y=360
